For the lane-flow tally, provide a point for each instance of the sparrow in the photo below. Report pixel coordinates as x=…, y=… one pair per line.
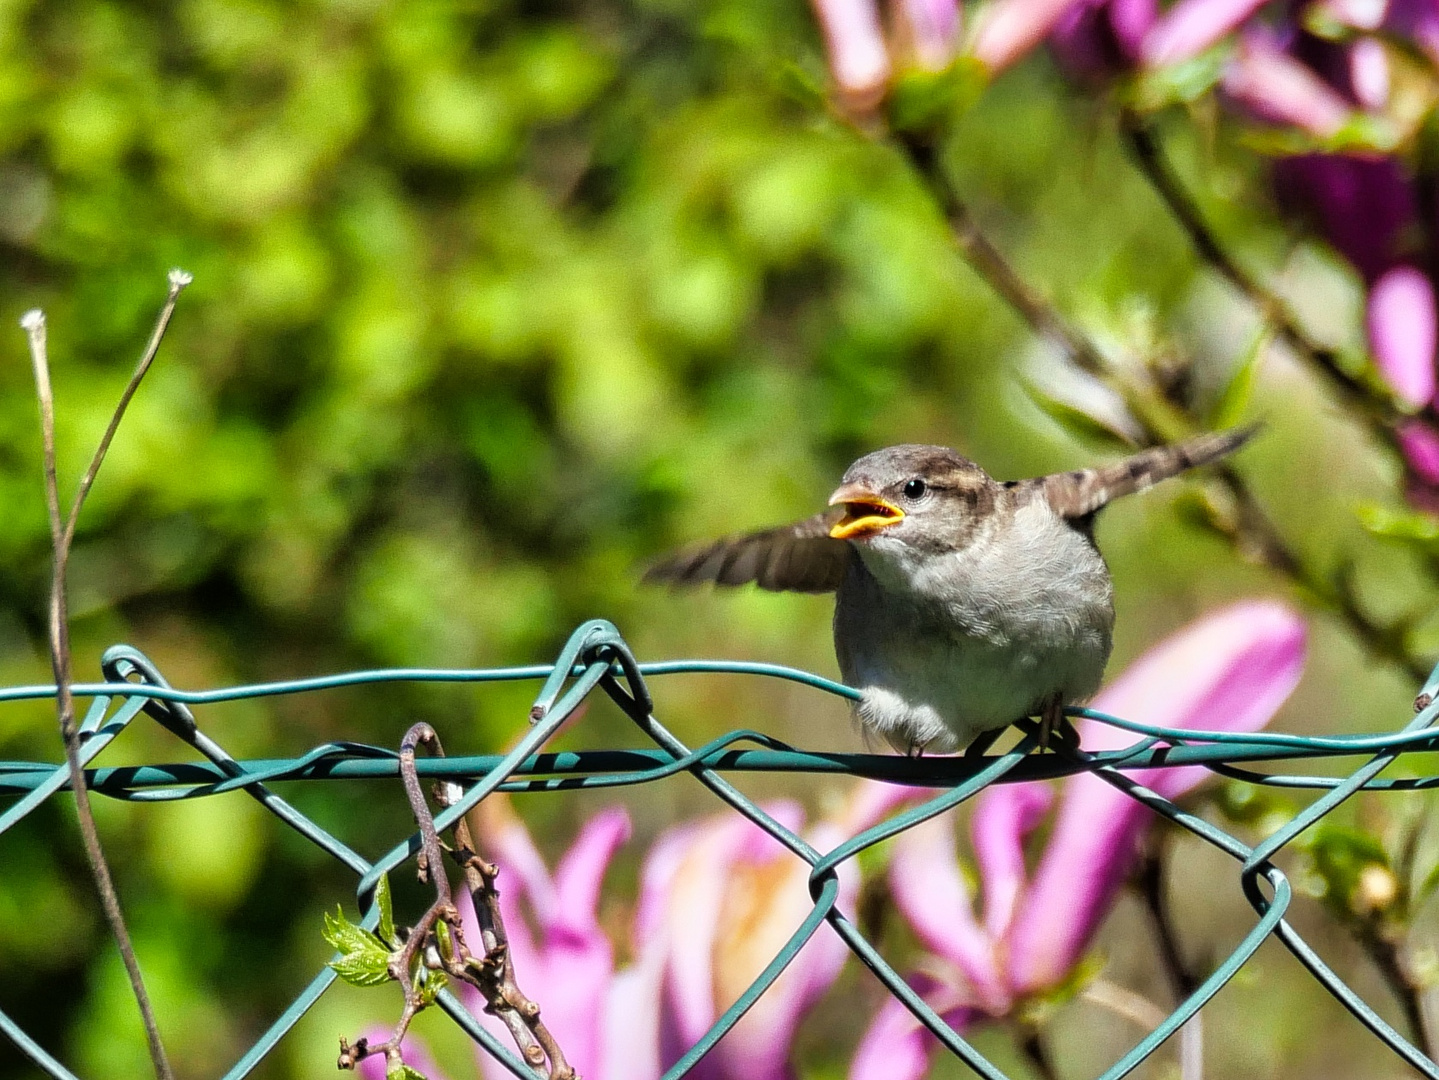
x=962, y=603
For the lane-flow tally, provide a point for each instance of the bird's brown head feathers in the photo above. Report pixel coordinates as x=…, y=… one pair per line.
x=923, y=496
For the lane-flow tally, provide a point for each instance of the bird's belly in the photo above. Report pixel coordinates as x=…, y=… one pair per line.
x=939, y=688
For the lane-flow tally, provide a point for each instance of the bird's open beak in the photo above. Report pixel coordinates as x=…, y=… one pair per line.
x=865, y=513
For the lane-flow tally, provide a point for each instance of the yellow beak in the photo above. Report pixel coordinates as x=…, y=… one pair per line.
x=865, y=513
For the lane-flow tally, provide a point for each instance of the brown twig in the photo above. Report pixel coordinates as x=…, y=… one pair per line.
x=1243, y=522
x=502, y=993
x=1183, y=980
x=1368, y=400
x=1037, y=1053
x=492, y=973
x=1384, y=953
x=62, y=535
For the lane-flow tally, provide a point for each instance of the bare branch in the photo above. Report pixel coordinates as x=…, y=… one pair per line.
x=1369, y=401
x=1243, y=520
x=492, y=973
x=61, y=537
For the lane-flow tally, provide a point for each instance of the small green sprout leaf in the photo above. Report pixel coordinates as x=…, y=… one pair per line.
x=1408, y=526
x=386, y=929
x=445, y=940
x=431, y=983
x=1079, y=424
x=1235, y=397
x=364, y=960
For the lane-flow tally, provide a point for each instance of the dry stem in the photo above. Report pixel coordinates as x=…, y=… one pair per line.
x=62, y=535
x=492, y=973
x=1243, y=522
x=1369, y=401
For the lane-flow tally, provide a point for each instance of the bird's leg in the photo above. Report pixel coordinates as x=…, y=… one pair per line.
x=1051, y=720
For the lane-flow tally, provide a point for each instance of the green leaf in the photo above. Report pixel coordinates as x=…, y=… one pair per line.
x=1361, y=134
x=443, y=938
x=1431, y=880
x=386, y=928
x=1409, y=526
x=364, y=959
x=1078, y=423
x=927, y=101
x=1235, y=397
x=403, y=1072
x=363, y=969
x=430, y=985
x=1178, y=84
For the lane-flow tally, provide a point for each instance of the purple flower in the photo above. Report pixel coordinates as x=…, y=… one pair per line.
x=718, y=898
x=1361, y=205
x=1095, y=40
x=924, y=35
x=1228, y=671
x=1099, y=39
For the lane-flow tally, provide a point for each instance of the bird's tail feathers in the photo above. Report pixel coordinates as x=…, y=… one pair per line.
x=1083, y=492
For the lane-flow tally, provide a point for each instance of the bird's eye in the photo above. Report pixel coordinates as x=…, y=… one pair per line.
x=914, y=489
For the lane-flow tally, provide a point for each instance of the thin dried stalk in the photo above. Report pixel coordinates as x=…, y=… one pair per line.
x=1242, y=520
x=62, y=535
x=492, y=973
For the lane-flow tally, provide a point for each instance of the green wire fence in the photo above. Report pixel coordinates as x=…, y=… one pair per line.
x=597, y=657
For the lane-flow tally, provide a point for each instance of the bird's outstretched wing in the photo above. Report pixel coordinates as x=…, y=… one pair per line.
x=792, y=558
x=1083, y=492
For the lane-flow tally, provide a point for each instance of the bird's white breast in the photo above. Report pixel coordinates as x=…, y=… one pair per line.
x=948, y=645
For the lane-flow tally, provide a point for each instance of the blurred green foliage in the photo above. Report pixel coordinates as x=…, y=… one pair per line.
x=492, y=301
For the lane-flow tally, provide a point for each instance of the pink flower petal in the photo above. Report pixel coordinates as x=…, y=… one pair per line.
x=1355, y=14
x=1369, y=73
x=858, y=58
x=933, y=29
x=1401, y=325
x=1279, y=89
x=693, y=911
x=1191, y=26
x=1228, y=671
x=571, y=966
x=1420, y=444
x=1003, y=816
x=583, y=866
x=1011, y=28
x=934, y=898
x=897, y=1046
x=412, y=1049
x=630, y=1031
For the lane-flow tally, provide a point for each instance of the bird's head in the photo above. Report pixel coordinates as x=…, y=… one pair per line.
x=918, y=497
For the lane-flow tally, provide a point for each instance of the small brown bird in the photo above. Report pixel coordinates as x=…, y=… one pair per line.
x=962, y=603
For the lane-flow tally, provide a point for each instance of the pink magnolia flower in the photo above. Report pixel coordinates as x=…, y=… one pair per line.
x=1099, y=39
x=1228, y=671
x=925, y=35
x=718, y=898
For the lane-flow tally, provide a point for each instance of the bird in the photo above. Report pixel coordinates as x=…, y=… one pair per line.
x=963, y=604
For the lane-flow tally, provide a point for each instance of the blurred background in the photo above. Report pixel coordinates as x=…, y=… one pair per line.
x=495, y=301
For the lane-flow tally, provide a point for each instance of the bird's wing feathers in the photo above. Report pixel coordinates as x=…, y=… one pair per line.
x=1079, y=494
x=792, y=558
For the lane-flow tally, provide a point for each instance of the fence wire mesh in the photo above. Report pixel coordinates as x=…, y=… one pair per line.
x=596, y=657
